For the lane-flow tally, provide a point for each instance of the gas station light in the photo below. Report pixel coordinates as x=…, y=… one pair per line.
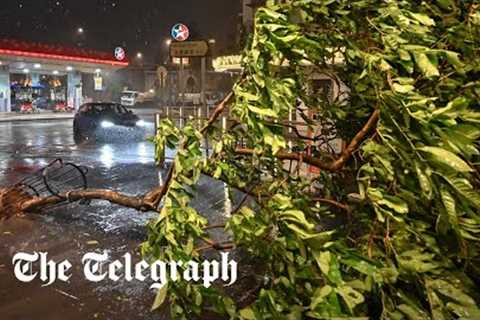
x=26, y=70
x=55, y=71
x=69, y=68
x=37, y=65
x=98, y=70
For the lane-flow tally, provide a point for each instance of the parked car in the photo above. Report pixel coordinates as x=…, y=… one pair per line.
x=106, y=121
x=213, y=98
x=131, y=98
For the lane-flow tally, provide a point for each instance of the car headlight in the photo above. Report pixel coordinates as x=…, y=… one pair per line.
x=141, y=123
x=107, y=124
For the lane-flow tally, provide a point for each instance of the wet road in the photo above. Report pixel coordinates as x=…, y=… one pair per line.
x=68, y=232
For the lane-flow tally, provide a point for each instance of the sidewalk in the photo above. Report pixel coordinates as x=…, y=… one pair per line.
x=50, y=115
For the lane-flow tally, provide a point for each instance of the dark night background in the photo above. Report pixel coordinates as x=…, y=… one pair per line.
x=137, y=25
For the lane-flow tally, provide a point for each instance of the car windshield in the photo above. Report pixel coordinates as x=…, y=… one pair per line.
x=105, y=108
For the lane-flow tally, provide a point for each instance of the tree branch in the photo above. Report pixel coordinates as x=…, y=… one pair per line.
x=137, y=203
x=356, y=141
x=333, y=203
x=334, y=166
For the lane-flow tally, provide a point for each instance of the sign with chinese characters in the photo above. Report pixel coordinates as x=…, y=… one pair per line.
x=180, y=32
x=119, y=53
x=189, y=49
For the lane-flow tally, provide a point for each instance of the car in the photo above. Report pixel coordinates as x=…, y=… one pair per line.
x=106, y=121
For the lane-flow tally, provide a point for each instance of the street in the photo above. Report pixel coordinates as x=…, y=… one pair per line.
x=68, y=232
x=71, y=231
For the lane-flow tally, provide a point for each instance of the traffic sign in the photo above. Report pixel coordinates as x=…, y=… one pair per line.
x=180, y=32
x=189, y=49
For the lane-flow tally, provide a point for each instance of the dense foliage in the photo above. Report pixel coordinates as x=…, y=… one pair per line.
x=390, y=227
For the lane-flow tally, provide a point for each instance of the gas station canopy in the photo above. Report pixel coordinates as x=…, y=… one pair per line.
x=35, y=59
x=23, y=56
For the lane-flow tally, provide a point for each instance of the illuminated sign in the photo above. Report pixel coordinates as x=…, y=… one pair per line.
x=185, y=61
x=119, y=53
x=227, y=63
x=189, y=49
x=180, y=32
x=98, y=83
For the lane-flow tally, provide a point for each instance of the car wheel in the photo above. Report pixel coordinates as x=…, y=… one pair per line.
x=77, y=136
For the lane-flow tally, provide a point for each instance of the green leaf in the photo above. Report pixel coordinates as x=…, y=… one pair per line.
x=448, y=158
x=454, y=59
x=160, y=297
x=323, y=260
x=448, y=290
x=424, y=180
x=417, y=261
x=423, y=19
x=351, y=297
x=405, y=88
x=319, y=296
x=465, y=188
x=412, y=312
x=247, y=314
x=425, y=65
x=263, y=111
x=449, y=204
x=296, y=216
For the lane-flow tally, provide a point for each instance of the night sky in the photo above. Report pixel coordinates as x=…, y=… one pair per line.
x=137, y=25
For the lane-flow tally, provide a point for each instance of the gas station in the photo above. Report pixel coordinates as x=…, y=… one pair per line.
x=50, y=73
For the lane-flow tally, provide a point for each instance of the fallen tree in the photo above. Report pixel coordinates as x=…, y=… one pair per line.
x=389, y=227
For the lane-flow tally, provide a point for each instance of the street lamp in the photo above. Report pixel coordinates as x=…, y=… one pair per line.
x=139, y=55
x=168, y=42
x=80, y=30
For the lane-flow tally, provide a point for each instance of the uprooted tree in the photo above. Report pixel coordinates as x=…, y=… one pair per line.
x=389, y=228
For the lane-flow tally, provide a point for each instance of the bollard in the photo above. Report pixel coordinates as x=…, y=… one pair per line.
x=160, y=157
x=290, y=130
x=181, y=117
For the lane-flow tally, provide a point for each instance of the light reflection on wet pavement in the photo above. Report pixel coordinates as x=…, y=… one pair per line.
x=68, y=232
